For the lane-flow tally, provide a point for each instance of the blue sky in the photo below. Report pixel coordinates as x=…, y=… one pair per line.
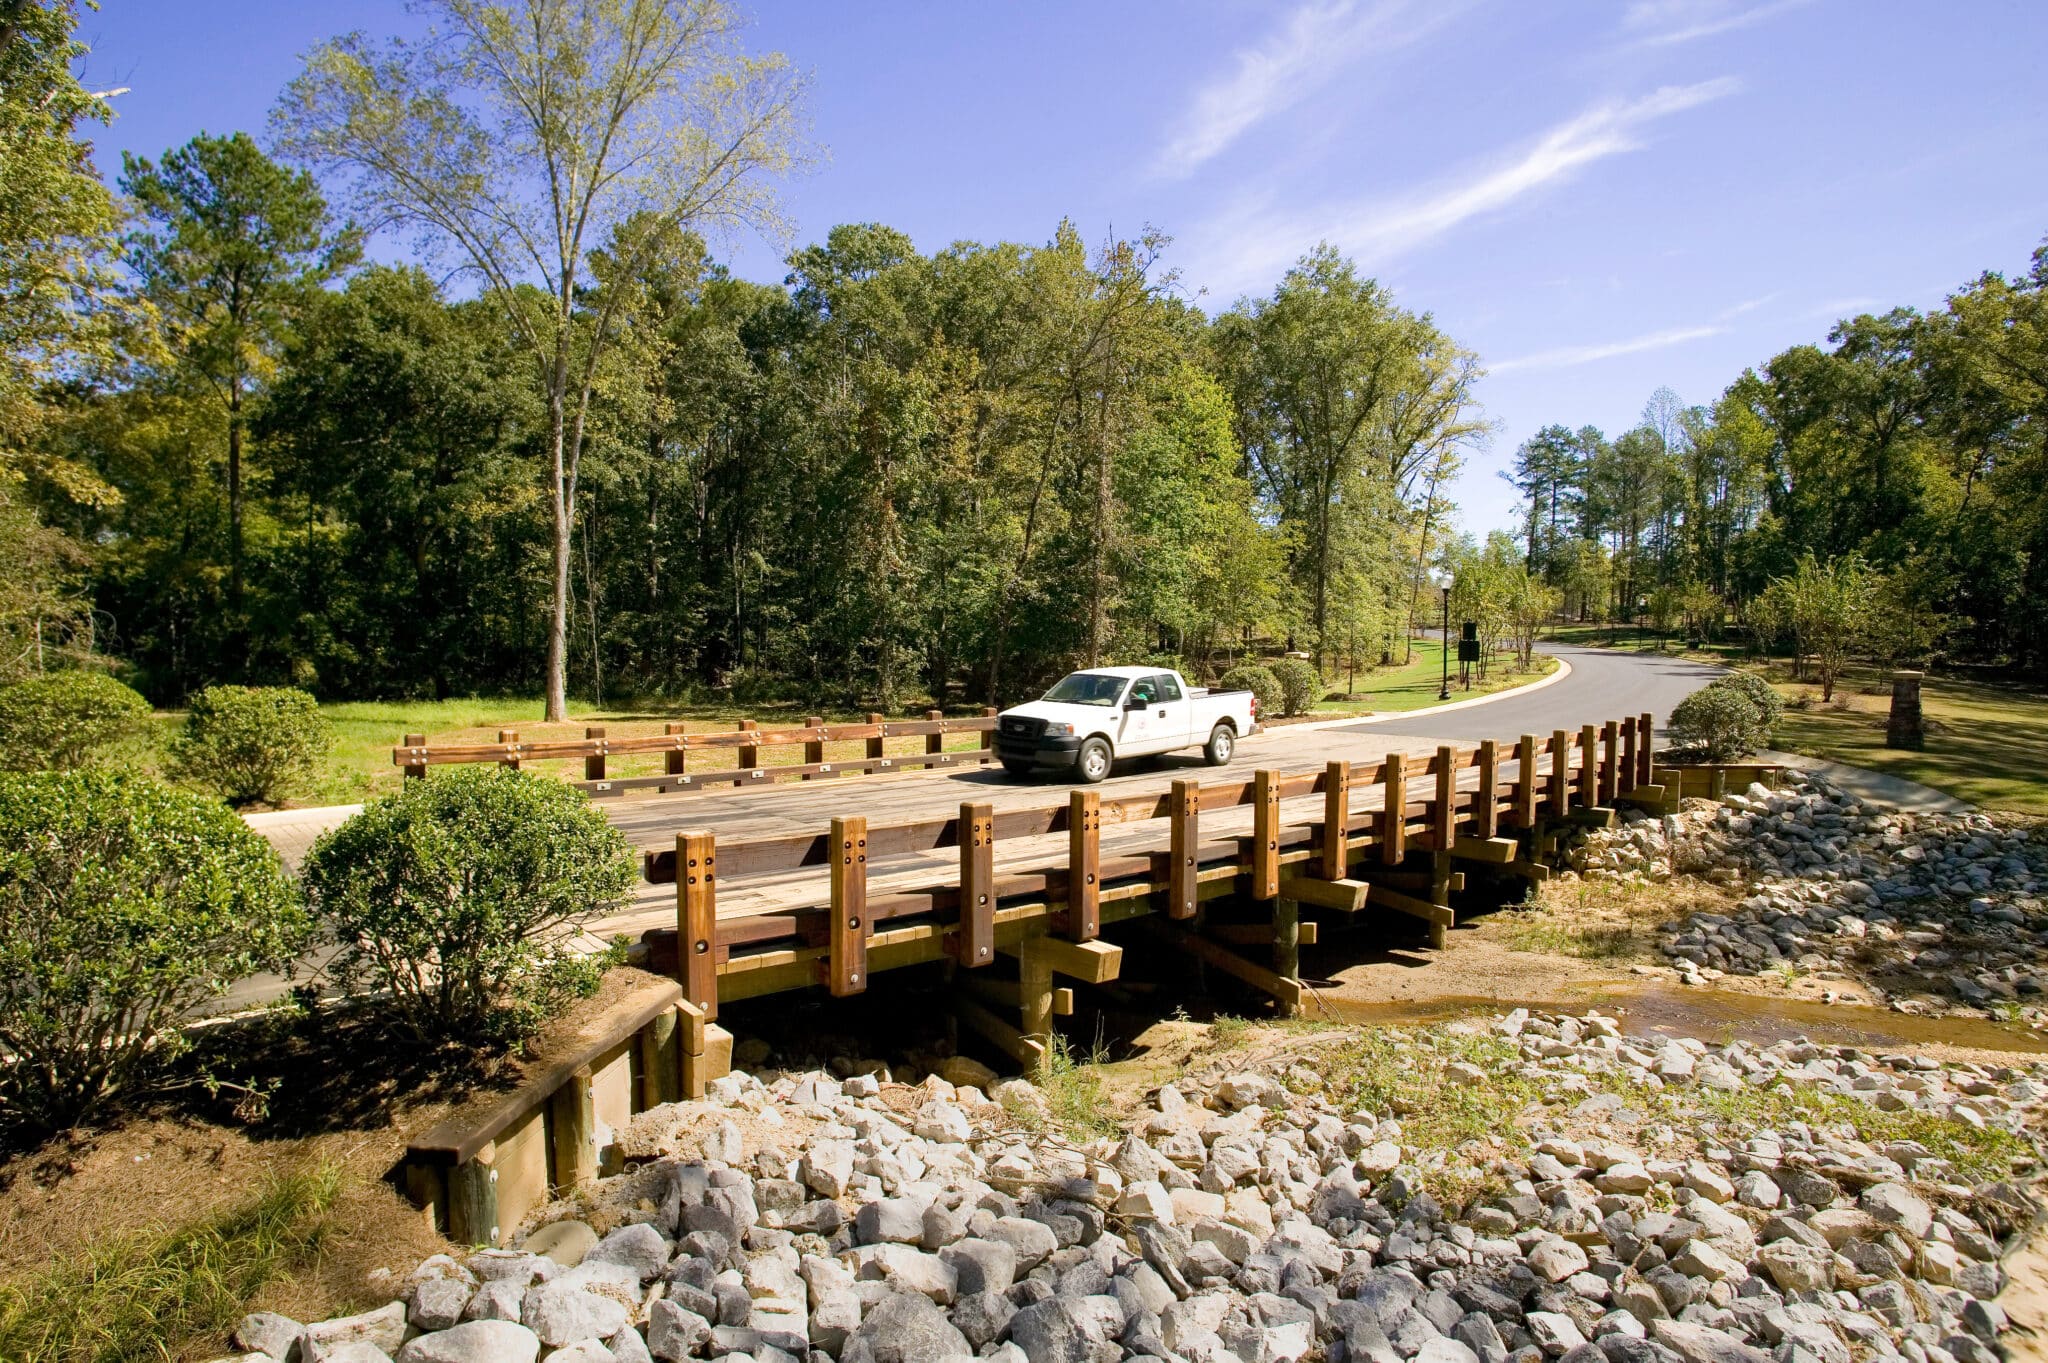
x=1598, y=198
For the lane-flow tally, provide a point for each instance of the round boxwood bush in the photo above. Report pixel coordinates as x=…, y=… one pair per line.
x=66, y=720
x=1770, y=706
x=459, y=896
x=1261, y=682
x=124, y=906
x=1717, y=724
x=1300, y=687
x=252, y=743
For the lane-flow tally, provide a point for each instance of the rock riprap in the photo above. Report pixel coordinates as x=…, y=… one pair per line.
x=1954, y=906
x=1649, y=1204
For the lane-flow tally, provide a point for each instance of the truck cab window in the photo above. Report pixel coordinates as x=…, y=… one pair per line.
x=1168, y=688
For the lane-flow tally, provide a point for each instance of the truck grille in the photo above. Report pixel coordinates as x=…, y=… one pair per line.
x=1018, y=726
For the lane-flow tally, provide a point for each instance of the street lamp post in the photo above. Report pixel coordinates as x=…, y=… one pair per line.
x=1444, y=692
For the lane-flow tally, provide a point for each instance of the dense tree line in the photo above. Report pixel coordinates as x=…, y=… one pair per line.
x=1900, y=470
x=896, y=475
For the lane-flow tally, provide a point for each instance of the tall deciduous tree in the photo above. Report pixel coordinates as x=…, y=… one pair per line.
x=524, y=134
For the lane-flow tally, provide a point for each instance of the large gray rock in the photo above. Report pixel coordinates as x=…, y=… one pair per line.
x=1897, y=1205
x=674, y=1333
x=563, y=1313
x=438, y=1303
x=266, y=1332
x=639, y=1247
x=476, y=1341
x=981, y=1265
x=1057, y=1331
x=908, y=1328
x=383, y=1327
x=890, y=1220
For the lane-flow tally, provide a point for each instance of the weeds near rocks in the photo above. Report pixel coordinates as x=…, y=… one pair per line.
x=139, y=1296
x=1074, y=1093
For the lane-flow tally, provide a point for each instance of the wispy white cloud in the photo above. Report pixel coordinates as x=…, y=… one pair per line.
x=1317, y=41
x=1253, y=240
x=1663, y=23
x=1835, y=309
x=1565, y=357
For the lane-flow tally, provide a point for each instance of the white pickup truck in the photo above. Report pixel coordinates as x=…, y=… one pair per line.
x=1092, y=718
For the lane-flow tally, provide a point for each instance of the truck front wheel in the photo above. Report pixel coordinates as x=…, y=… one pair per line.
x=1092, y=763
x=1221, y=745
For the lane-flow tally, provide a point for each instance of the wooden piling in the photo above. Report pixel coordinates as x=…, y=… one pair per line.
x=1334, y=854
x=572, y=1128
x=676, y=759
x=415, y=771
x=814, y=749
x=697, y=918
x=1560, y=800
x=1485, y=812
x=1645, y=743
x=847, y=963
x=750, y=753
x=975, y=943
x=1265, y=867
x=1084, y=866
x=1183, y=836
x=1610, y=762
x=1394, y=809
x=510, y=737
x=876, y=744
x=1589, y=766
x=1525, y=783
x=473, y=1200
x=1625, y=780
x=1287, y=949
x=593, y=765
x=936, y=742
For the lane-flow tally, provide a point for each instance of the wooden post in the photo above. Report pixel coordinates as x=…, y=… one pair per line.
x=975, y=944
x=1034, y=992
x=572, y=1127
x=1905, y=726
x=697, y=918
x=1443, y=810
x=814, y=749
x=1286, y=946
x=1589, y=767
x=1336, y=852
x=473, y=1200
x=415, y=771
x=676, y=756
x=1560, y=800
x=1485, y=814
x=1610, y=762
x=1646, y=735
x=875, y=743
x=1525, y=782
x=750, y=754
x=935, y=743
x=1265, y=834
x=509, y=736
x=1084, y=866
x=1182, y=892
x=847, y=965
x=593, y=765
x=661, y=1062
x=988, y=735
x=1394, y=813
x=1625, y=774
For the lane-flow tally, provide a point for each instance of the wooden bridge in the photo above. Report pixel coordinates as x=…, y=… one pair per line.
x=1236, y=874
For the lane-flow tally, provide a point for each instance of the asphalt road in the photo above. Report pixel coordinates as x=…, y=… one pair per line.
x=1604, y=684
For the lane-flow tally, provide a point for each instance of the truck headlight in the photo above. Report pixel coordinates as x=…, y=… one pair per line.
x=1060, y=730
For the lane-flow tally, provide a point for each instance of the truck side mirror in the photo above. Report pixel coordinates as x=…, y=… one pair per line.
x=1135, y=702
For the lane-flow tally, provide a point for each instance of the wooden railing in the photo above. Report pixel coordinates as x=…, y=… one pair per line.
x=746, y=742
x=1559, y=778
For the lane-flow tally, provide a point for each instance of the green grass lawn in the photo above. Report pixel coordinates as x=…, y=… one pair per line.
x=1413, y=685
x=1987, y=744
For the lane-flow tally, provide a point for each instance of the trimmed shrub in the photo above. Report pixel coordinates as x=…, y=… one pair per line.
x=459, y=895
x=66, y=720
x=1717, y=723
x=252, y=743
x=1770, y=706
x=124, y=906
x=1300, y=687
x=1261, y=682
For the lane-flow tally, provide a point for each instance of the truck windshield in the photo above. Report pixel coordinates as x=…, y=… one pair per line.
x=1087, y=688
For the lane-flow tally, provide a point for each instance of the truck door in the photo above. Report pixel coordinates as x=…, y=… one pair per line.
x=1140, y=731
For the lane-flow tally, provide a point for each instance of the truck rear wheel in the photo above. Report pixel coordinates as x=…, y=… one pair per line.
x=1092, y=763
x=1221, y=746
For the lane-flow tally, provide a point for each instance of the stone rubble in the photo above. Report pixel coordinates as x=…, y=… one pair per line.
x=1242, y=1218
x=1955, y=906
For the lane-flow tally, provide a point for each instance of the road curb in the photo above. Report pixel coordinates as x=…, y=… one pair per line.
x=1564, y=669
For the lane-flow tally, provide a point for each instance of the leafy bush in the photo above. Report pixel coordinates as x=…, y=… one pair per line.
x=252, y=742
x=66, y=720
x=1261, y=682
x=1717, y=723
x=459, y=895
x=1300, y=687
x=124, y=905
x=1770, y=706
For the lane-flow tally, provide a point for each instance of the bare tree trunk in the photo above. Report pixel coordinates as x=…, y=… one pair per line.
x=558, y=614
